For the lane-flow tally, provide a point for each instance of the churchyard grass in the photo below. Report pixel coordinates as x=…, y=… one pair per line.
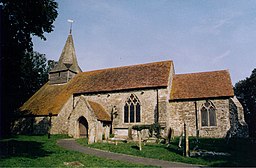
x=39, y=151
x=242, y=152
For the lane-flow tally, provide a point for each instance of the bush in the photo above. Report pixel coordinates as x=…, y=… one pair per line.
x=153, y=128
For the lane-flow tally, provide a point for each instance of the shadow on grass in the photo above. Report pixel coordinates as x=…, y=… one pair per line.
x=135, y=147
x=242, y=152
x=15, y=148
x=176, y=150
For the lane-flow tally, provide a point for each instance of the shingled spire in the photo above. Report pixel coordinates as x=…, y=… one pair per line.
x=67, y=66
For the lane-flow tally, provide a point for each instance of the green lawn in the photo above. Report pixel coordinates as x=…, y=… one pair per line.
x=39, y=151
x=242, y=151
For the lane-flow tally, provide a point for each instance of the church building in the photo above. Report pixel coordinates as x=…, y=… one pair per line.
x=96, y=103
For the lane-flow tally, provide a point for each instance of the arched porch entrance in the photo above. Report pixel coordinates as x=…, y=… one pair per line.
x=83, y=127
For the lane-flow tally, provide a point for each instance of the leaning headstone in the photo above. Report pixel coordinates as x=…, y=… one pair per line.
x=106, y=132
x=130, y=133
x=186, y=143
x=139, y=133
x=99, y=134
x=91, y=138
x=170, y=135
x=180, y=139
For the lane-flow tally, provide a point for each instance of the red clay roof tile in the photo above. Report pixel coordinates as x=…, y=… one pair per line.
x=99, y=111
x=122, y=78
x=51, y=98
x=202, y=85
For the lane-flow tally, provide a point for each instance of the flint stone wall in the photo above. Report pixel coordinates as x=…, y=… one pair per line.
x=31, y=125
x=185, y=111
x=60, y=123
x=95, y=127
x=148, y=101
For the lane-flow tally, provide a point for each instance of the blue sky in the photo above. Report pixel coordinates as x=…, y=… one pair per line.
x=198, y=35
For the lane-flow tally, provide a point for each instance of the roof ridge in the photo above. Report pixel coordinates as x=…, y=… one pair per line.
x=203, y=72
x=126, y=66
x=201, y=85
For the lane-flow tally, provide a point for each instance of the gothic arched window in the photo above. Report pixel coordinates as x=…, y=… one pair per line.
x=208, y=114
x=132, y=110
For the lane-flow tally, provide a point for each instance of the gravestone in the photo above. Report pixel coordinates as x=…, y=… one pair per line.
x=139, y=134
x=106, y=132
x=91, y=138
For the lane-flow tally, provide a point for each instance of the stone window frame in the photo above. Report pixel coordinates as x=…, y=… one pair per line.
x=132, y=100
x=208, y=107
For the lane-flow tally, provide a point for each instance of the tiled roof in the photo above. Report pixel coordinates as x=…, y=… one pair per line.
x=128, y=77
x=202, y=85
x=99, y=111
x=51, y=98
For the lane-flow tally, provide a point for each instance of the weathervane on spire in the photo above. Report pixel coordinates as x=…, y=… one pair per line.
x=70, y=21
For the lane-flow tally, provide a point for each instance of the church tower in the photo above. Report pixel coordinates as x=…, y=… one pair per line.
x=67, y=67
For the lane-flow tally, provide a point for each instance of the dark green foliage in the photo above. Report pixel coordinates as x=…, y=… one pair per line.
x=245, y=90
x=34, y=73
x=140, y=127
x=25, y=18
x=156, y=128
x=22, y=70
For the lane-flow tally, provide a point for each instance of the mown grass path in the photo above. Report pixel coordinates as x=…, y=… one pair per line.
x=71, y=144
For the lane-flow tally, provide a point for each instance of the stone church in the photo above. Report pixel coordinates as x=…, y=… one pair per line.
x=96, y=103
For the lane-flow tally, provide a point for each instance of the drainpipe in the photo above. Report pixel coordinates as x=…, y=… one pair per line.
x=50, y=125
x=157, y=106
x=197, y=130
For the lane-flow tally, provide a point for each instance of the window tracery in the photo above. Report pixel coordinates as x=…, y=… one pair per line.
x=132, y=110
x=208, y=114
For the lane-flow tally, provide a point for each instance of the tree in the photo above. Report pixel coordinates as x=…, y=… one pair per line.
x=245, y=90
x=20, y=19
x=34, y=73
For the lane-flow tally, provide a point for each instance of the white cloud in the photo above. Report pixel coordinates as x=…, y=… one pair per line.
x=221, y=23
x=221, y=56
